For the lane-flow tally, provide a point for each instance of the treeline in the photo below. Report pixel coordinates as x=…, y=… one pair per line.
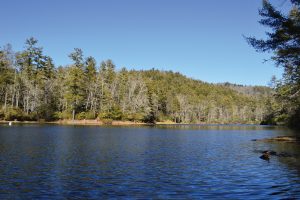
x=250, y=90
x=32, y=88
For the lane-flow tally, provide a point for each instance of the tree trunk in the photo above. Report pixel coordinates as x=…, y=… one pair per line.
x=73, y=115
x=17, y=100
x=5, y=100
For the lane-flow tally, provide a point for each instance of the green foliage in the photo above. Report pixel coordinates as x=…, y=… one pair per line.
x=151, y=116
x=46, y=112
x=74, y=88
x=90, y=115
x=114, y=113
x=128, y=117
x=31, y=117
x=81, y=115
x=12, y=114
x=85, y=115
x=6, y=69
x=139, y=117
x=77, y=57
x=66, y=114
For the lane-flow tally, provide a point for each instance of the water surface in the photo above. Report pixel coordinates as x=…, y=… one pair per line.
x=186, y=161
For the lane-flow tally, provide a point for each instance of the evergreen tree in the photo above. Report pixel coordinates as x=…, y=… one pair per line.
x=32, y=64
x=284, y=41
x=75, y=82
x=91, y=85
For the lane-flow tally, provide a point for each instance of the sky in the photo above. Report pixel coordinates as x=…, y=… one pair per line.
x=201, y=39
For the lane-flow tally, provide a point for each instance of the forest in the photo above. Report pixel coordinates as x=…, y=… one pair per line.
x=32, y=88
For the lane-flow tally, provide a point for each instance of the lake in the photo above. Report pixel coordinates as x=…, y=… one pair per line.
x=160, y=162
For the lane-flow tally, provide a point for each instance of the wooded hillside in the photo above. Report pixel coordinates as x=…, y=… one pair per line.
x=32, y=88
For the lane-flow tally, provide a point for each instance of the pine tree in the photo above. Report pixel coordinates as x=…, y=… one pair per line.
x=75, y=82
x=284, y=41
x=32, y=63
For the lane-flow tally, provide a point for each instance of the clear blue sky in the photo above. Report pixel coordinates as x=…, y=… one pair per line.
x=199, y=38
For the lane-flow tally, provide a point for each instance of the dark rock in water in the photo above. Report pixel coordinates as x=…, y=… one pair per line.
x=265, y=156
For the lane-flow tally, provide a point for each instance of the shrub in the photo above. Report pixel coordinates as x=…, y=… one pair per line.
x=140, y=117
x=128, y=117
x=90, y=115
x=103, y=115
x=14, y=114
x=30, y=117
x=114, y=113
x=63, y=115
x=81, y=116
x=46, y=112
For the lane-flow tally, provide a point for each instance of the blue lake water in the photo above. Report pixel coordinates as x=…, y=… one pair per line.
x=160, y=162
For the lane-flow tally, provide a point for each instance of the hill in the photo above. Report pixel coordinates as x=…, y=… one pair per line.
x=32, y=88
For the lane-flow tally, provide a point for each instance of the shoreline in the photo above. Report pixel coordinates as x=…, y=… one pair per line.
x=78, y=122
x=112, y=123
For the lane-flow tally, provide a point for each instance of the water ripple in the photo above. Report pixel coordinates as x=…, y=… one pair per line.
x=57, y=162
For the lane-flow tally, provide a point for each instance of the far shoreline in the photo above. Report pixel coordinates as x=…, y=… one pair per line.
x=77, y=122
x=114, y=123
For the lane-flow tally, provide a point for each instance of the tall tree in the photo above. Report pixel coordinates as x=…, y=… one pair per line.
x=31, y=62
x=91, y=84
x=46, y=86
x=7, y=74
x=284, y=41
x=75, y=82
